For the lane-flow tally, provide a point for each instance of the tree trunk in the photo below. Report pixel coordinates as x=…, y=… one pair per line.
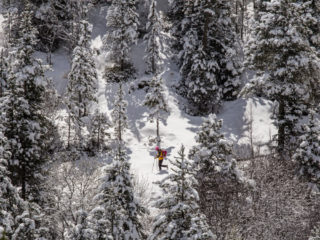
x=281, y=129
x=158, y=133
x=69, y=131
x=23, y=183
x=80, y=100
x=99, y=128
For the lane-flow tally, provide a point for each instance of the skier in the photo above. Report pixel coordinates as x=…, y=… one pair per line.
x=161, y=154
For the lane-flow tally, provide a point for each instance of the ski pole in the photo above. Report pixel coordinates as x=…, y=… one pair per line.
x=153, y=164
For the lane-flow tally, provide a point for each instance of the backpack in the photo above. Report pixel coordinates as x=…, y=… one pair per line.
x=164, y=153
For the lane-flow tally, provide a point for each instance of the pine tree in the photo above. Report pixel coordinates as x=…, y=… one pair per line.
x=311, y=17
x=83, y=75
x=122, y=24
x=25, y=126
x=8, y=193
x=98, y=131
x=81, y=231
x=119, y=210
x=156, y=101
x=3, y=72
x=308, y=152
x=154, y=38
x=82, y=85
x=179, y=20
x=119, y=115
x=227, y=46
x=117, y=213
x=219, y=179
x=210, y=68
x=213, y=154
x=180, y=216
x=53, y=20
x=10, y=25
x=15, y=219
x=285, y=64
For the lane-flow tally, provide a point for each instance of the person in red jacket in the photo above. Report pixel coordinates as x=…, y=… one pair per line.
x=161, y=154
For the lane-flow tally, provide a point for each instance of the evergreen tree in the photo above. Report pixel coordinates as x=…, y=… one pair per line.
x=219, y=180
x=117, y=207
x=154, y=38
x=83, y=75
x=54, y=22
x=119, y=115
x=285, y=64
x=117, y=213
x=81, y=230
x=25, y=126
x=155, y=100
x=180, y=217
x=15, y=219
x=82, y=85
x=308, y=152
x=180, y=22
x=122, y=24
x=98, y=131
x=210, y=68
x=9, y=198
x=3, y=72
x=311, y=17
x=10, y=25
x=213, y=154
x=227, y=46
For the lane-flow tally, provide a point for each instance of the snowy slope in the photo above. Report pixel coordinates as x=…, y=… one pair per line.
x=179, y=127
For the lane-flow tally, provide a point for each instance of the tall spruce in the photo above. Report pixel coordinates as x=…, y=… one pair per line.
x=83, y=75
x=180, y=23
x=81, y=230
x=117, y=215
x=9, y=197
x=10, y=25
x=287, y=67
x=25, y=125
x=98, y=131
x=4, y=66
x=154, y=38
x=213, y=153
x=219, y=179
x=15, y=219
x=119, y=115
x=122, y=24
x=210, y=67
x=180, y=216
x=156, y=101
x=311, y=17
x=82, y=85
